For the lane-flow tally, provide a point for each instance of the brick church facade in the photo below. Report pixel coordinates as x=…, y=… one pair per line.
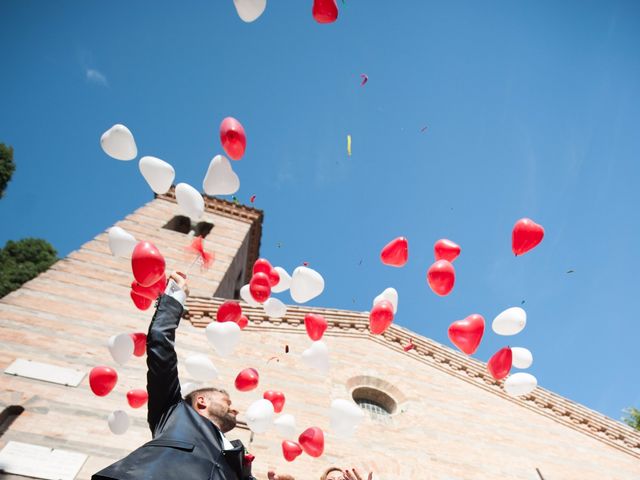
x=433, y=413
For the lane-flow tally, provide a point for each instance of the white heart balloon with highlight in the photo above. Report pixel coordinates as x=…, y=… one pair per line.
x=118, y=143
x=118, y=422
x=510, y=322
x=220, y=178
x=121, y=347
x=284, y=283
x=286, y=425
x=274, y=308
x=245, y=294
x=121, y=242
x=260, y=415
x=317, y=356
x=201, y=368
x=345, y=416
x=520, y=383
x=190, y=201
x=306, y=284
x=158, y=174
x=250, y=10
x=391, y=295
x=521, y=357
x=223, y=336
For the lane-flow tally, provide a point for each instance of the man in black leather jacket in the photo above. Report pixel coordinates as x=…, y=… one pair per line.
x=188, y=434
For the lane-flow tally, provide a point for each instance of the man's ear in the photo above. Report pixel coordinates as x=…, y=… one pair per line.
x=201, y=401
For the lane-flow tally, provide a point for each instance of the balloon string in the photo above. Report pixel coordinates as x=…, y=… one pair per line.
x=192, y=264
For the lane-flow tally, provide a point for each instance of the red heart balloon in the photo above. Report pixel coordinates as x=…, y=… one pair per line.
x=441, y=277
x=290, y=450
x=242, y=322
x=229, y=311
x=316, y=325
x=247, y=379
x=312, y=441
x=277, y=398
x=259, y=287
x=380, y=317
x=152, y=292
x=466, y=334
x=263, y=265
x=325, y=11
x=499, y=365
x=142, y=303
x=233, y=138
x=139, y=343
x=102, y=380
x=147, y=264
x=446, y=250
x=525, y=236
x=396, y=252
x=137, y=398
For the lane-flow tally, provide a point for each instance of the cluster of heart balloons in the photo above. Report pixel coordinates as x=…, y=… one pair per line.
x=467, y=334
x=304, y=285
x=384, y=309
x=220, y=179
x=103, y=379
x=323, y=11
x=441, y=276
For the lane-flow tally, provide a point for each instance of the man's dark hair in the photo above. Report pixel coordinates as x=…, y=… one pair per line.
x=191, y=397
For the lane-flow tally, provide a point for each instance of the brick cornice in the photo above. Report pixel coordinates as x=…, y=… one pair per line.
x=201, y=311
x=237, y=211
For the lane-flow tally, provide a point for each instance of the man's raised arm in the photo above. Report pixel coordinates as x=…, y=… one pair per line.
x=163, y=386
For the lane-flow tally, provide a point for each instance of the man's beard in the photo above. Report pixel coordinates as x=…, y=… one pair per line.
x=225, y=421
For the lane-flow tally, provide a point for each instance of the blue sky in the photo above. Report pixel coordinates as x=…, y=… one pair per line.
x=532, y=110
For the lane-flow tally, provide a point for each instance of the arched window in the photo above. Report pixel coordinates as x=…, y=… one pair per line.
x=378, y=404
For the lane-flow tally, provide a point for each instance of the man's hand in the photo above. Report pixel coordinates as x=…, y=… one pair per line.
x=355, y=475
x=181, y=281
x=272, y=476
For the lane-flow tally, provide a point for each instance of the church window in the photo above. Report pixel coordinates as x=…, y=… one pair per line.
x=183, y=224
x=379, y=405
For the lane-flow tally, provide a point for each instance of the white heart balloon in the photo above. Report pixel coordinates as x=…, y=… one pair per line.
x=118, y=422
x=522, y=357
x=259, y=415
x=284, y=283
x=121, y=347
x=118, y=143
x=121, y=242
x=286, y=425
x=520, y=383
x=223, y=336
x=510, y=322
x=188, y=387
x=189, y=200
x=250, y=10
x=317, y=356
x=306, y=284
x=158, y=174
x=274, y=308
x=220, y=178
x=201, y=368
x=245, y=294
x=391, y=295
x=345, y=416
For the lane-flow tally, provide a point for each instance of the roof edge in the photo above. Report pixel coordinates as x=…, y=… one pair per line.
x=201, y=312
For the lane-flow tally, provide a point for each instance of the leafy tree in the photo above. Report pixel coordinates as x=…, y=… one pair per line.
x=23, y=260
x=633, y=418
x=7, y=167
